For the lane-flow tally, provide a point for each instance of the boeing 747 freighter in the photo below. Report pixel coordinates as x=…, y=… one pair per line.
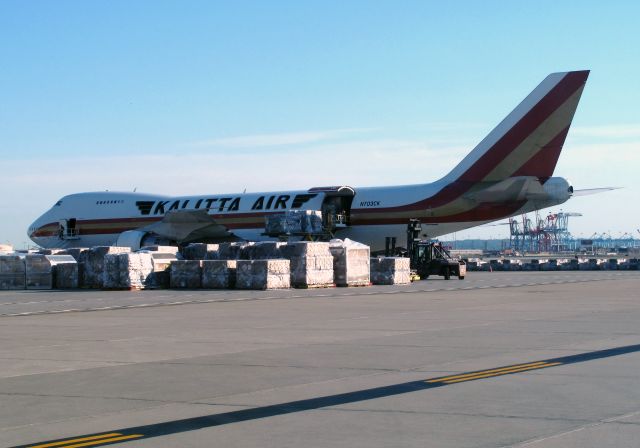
x=508, y=173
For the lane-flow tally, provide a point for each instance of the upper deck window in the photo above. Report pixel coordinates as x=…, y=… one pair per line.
x=115, y=201
x=59, y=203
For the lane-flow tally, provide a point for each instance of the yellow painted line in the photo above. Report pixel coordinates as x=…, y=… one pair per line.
x=501, y=369
x=83, y=439
x=98, y=442
x=488, y=375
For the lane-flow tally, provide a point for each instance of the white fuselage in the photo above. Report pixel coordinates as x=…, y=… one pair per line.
x=375, y=213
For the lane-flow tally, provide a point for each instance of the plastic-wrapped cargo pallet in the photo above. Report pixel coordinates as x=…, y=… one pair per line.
x=294, y=221
x=263, y=250
x=263, y=274
x=229, y=251
x=51, y=251
x=350, y=262
x=159, y=278
x=92, y=266
x=12, y=272
x=198, y=251
x=76, y=252
x=127, y=271
x=111, y=272
x=66, y=276
x=39, y=274
x=186, y=274
x=311, y=264
x=65, y=271
x=219, y=274
x=161, y=249
x=390, y=271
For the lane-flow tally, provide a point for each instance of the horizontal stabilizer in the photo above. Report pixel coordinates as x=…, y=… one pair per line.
x=588, y=191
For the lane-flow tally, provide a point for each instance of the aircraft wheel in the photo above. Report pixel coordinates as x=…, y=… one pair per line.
x=461, y=277
x=447, y=274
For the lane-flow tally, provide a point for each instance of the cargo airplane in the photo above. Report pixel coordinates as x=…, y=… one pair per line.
x=508, y=173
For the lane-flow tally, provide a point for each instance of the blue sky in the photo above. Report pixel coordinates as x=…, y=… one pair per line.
x=191, y=97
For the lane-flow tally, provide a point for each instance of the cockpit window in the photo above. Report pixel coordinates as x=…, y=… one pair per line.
x=59, y=203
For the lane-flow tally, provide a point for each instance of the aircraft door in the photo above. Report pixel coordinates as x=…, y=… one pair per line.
x=67, y=229
x=72, y=231
x=336, y=208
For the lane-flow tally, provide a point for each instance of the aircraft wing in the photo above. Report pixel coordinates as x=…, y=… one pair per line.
x=187, y=225
x=511, y=189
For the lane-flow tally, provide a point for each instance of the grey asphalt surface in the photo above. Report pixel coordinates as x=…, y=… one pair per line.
x=273, y=368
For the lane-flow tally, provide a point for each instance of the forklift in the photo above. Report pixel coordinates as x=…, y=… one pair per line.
x=430, y=257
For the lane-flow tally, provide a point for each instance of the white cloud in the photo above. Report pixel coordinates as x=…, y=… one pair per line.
x=274, y=140
x=616, y=131
x=592, y=164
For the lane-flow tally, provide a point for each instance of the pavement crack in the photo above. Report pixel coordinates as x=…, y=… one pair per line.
x=464, y=414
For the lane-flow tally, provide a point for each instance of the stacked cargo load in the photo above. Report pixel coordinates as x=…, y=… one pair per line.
x=66, y=276
x=65, y=271
x=111, y=271
x=311, y=264
x=92, y=265
x=294, y=222
x=38, y=271
x=127, y=270
x=263, y=274
x=390, y=271
x=12, y=272
x=135, y=269
x=219, y=274
x=75, y=252
x=263, y=250
x=199, y=251
x=51, y=251
x=229, y=251
x=160, y=277
x=351, y=263
x=186, y=274
x=161, y=249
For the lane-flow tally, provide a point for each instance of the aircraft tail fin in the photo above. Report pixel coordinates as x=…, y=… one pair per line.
x=529, y=140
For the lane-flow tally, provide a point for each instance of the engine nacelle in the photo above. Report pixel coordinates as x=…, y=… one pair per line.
x=559, y=189
x=135, y=239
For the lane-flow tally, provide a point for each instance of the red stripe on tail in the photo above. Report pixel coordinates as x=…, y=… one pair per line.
x=543, y=163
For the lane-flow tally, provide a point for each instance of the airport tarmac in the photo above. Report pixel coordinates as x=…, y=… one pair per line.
x=540, y=359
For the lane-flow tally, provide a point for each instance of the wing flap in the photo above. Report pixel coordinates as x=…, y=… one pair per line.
x=186, y=225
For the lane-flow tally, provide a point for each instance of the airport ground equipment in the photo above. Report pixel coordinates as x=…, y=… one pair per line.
x=430, y=257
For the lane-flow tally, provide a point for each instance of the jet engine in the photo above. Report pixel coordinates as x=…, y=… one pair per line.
x=135, y=239
x=559, y=189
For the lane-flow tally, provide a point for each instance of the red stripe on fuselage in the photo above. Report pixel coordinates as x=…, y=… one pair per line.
x=481, y=213
x=485, y=212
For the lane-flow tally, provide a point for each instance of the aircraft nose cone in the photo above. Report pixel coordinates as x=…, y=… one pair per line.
x=33, y=228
